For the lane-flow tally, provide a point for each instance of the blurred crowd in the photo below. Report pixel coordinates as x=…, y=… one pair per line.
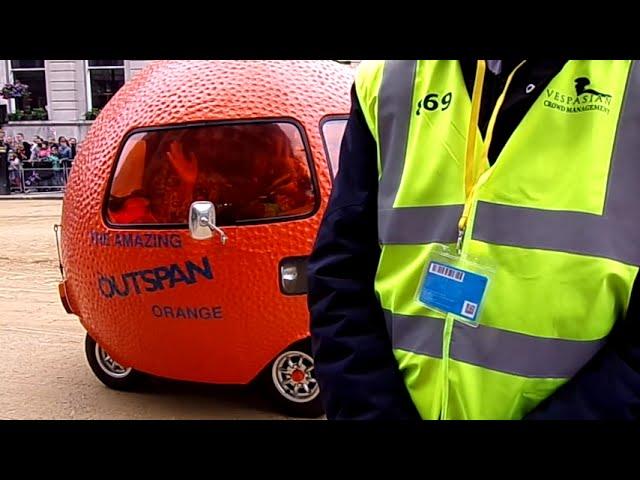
x=40, y=164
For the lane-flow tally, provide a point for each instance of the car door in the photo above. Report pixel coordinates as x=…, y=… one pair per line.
x=204, y=309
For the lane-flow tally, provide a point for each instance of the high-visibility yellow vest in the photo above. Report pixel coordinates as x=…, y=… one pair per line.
x=557, y=218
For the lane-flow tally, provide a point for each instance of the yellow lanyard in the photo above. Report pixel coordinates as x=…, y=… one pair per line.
x=476, y=172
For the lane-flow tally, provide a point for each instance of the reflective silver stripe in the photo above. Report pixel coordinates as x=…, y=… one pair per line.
x=492, y=348
x=394, y=115
x=418, y=225
x=518, y=354
x=624, y=177
x=422, y=335
x=560, y=231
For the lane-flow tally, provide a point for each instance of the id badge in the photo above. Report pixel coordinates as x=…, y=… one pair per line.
x=455, y=285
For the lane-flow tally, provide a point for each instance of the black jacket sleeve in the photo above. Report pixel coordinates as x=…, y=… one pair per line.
x=607, y=387
x=357, y=372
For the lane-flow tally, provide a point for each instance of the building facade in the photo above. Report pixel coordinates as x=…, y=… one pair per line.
x=65, y=95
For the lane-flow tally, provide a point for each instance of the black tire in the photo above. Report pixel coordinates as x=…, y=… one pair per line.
x=110, y=377
x=307, y=405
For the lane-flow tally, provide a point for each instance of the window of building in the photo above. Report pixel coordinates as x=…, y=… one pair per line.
x=104, y=79
x=30, y=73
x=251, y=172
x=332, y=133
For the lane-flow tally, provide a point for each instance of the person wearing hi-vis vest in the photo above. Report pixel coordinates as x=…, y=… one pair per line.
x=479, y=253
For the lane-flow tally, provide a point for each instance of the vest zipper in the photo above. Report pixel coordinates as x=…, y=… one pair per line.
x=446, y=342
x=475, y=178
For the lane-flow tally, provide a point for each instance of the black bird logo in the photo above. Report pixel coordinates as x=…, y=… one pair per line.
x=581, y=87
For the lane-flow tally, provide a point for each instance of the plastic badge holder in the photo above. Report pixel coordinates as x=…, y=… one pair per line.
x=455, y=285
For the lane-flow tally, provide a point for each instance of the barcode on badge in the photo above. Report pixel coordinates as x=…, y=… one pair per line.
x=447, y=272
x=469, y=309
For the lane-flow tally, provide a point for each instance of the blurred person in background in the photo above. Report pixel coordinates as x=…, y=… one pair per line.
x=64, y=149
x=44, y=150
x=14, y=169
x=56, y=165
x=21, y=154
x=73, y=144
x=35, y=148
x=21, y=141
x=4, y=174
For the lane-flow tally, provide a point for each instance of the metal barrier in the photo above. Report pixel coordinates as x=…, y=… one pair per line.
x=40, y=177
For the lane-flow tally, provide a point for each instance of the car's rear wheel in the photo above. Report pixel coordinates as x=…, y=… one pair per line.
x=108, y=371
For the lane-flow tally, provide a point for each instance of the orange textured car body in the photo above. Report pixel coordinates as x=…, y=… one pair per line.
x=240, y=317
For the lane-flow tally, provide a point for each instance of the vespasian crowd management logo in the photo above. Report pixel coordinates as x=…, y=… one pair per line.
x=585, y=98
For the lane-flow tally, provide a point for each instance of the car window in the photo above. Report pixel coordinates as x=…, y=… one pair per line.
x=251, y=172
x=332, y=133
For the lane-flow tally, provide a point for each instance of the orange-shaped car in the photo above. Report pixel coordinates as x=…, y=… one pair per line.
x=189, y=215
